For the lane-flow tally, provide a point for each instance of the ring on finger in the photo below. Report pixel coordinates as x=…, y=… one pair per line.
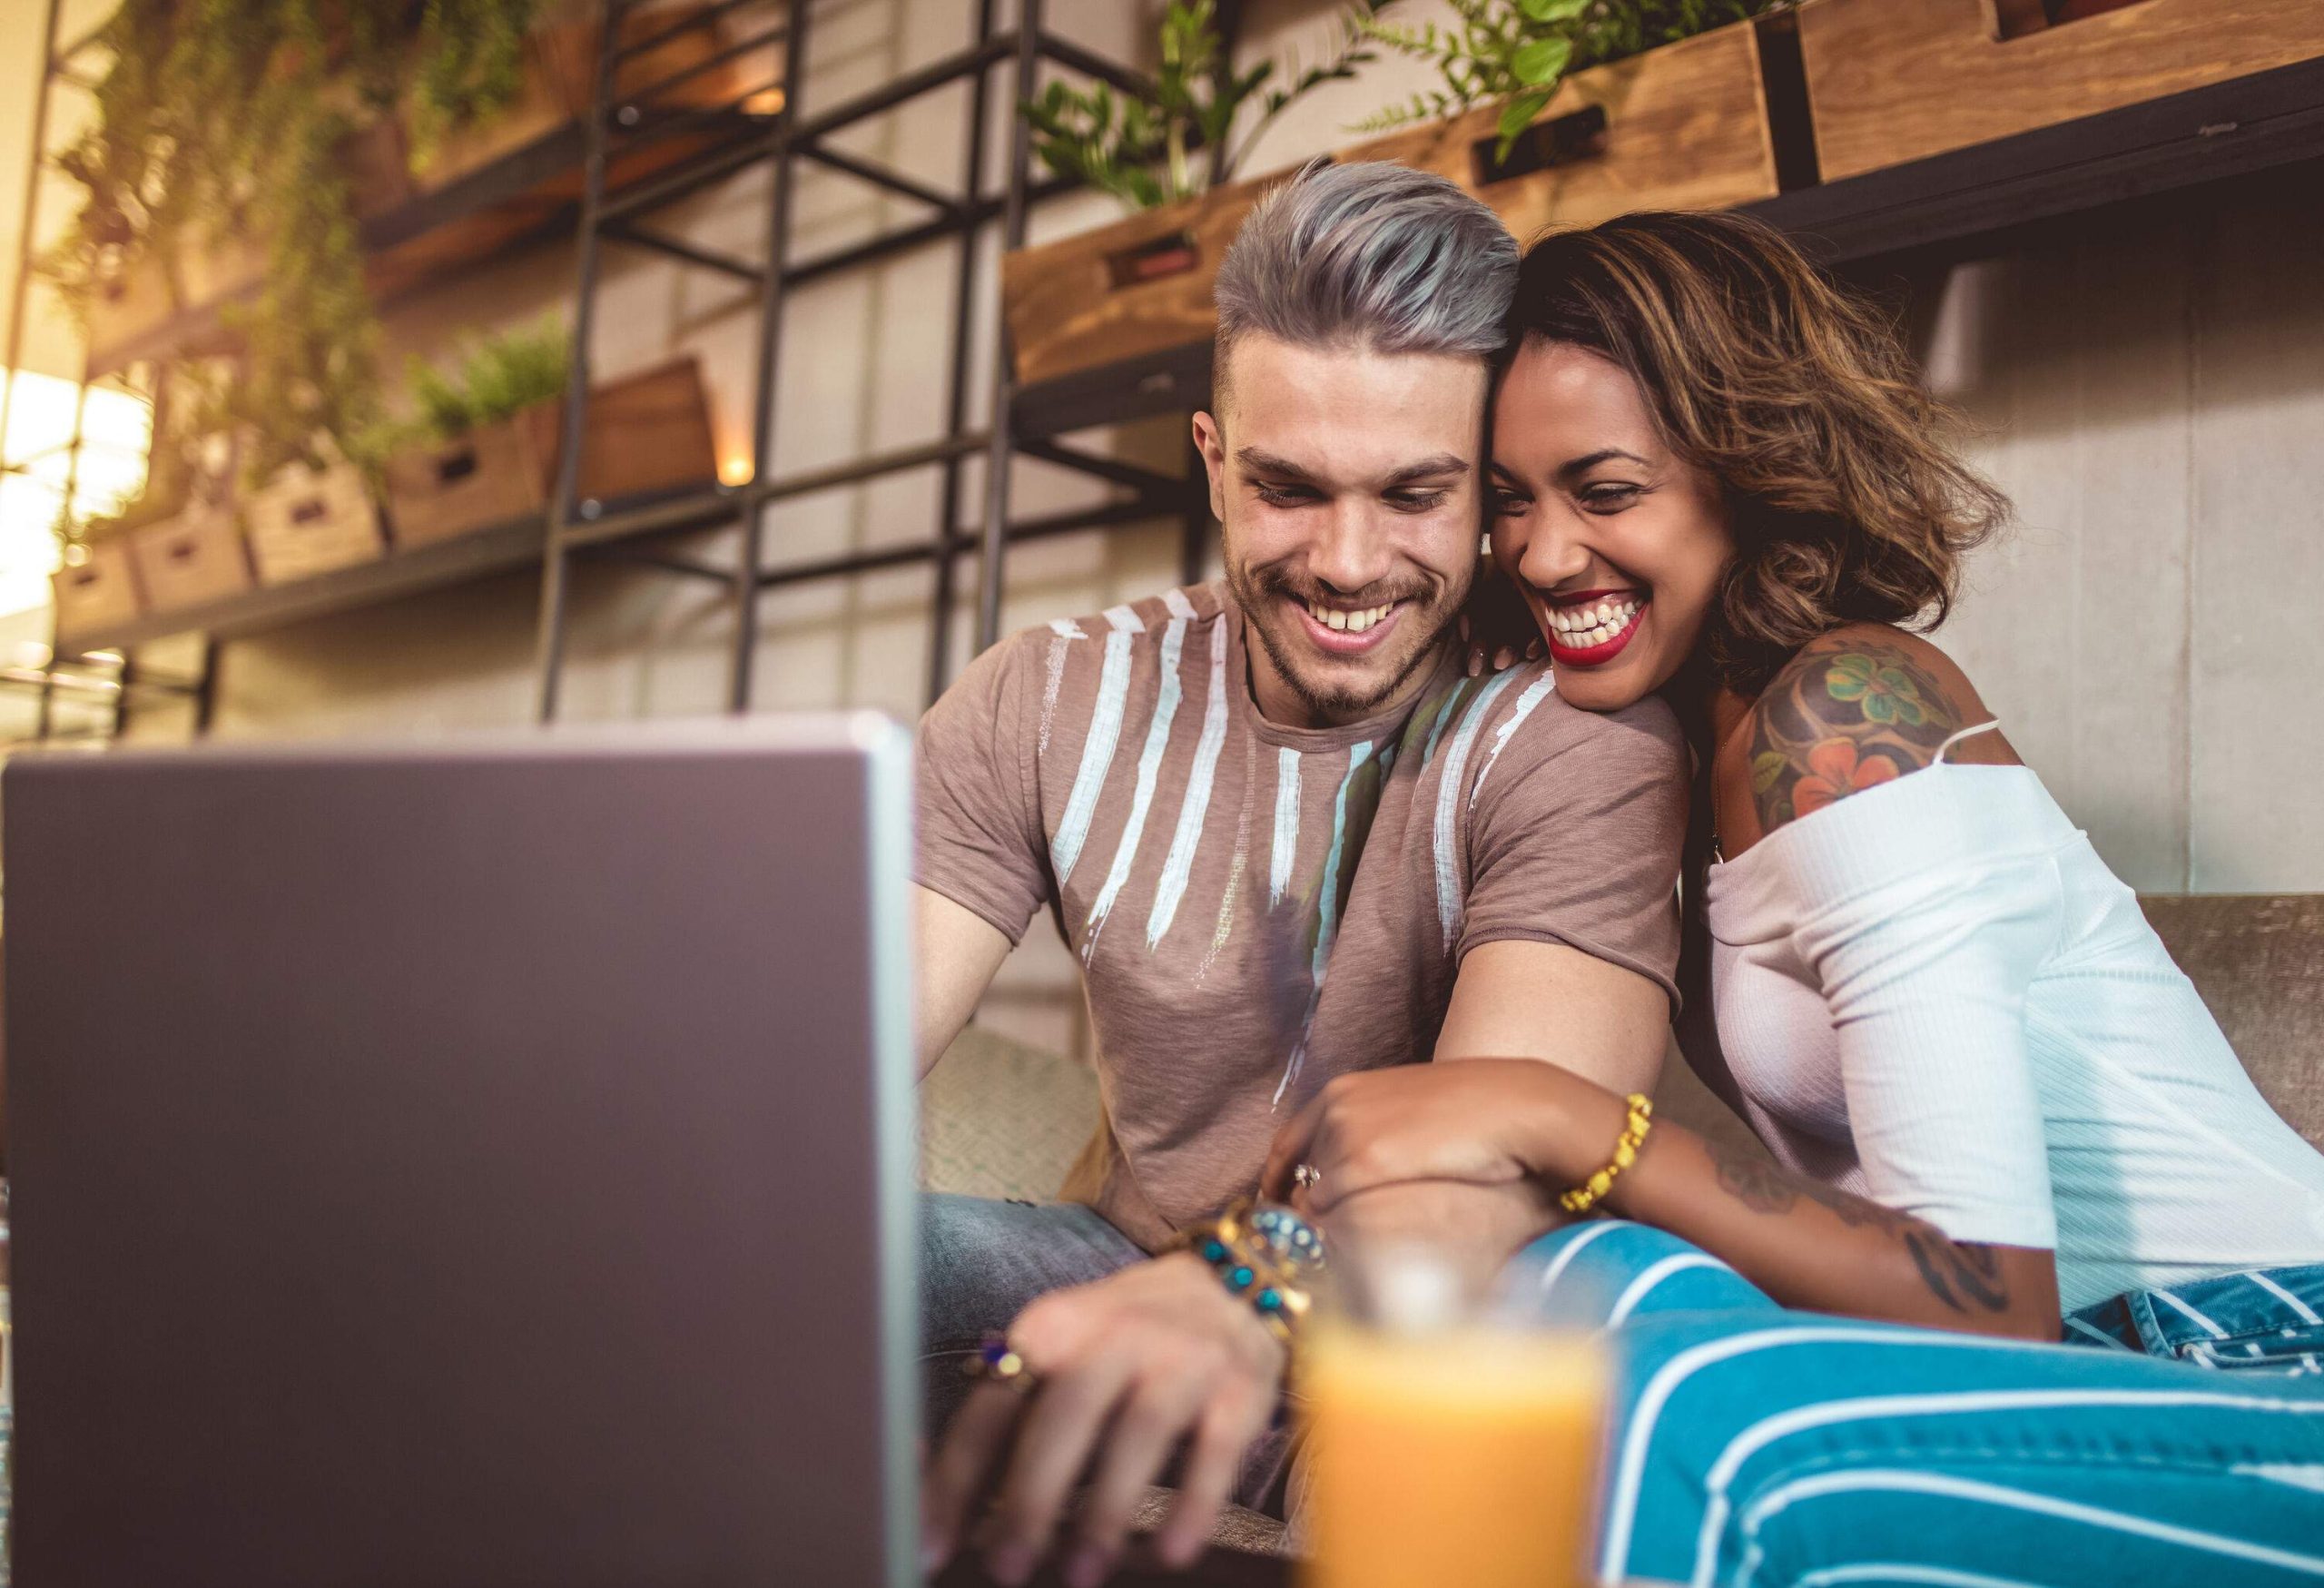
x=1306, y=1174
x=996, y=1361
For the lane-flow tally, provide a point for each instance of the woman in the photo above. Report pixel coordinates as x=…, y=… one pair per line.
x=1995, y=1107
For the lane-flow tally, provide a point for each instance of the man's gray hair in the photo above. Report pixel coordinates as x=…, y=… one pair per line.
x=1370, y=254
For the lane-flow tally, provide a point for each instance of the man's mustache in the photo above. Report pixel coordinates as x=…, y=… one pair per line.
x=1383, y=594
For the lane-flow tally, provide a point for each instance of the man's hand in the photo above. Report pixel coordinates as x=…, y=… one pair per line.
x=1156, y=1354
x=1474, y=1229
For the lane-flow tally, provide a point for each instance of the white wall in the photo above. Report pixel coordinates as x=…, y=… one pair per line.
x=2152, y=390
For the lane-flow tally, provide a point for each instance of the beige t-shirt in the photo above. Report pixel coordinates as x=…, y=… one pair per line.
x=1256, y=908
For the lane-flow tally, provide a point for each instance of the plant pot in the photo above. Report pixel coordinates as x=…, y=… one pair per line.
x=494, y=474
x=1891, y=80
x=537, y=111
x=95, y=594
x=1684, y=126
x=144, y=308
x=192, y=559
x=305, y=522
x=647, y=434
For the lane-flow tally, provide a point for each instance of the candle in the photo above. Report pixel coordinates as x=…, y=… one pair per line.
x=1461, y=1456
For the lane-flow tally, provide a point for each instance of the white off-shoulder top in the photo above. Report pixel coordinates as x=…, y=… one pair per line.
x=1935, y=994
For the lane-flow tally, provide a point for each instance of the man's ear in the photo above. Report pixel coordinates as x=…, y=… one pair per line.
x=1210, y=438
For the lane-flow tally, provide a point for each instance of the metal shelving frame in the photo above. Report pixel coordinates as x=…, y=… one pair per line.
x=584, y=528
x=638, y=532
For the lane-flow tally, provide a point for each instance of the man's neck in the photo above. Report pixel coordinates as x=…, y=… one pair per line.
x=1287, y=707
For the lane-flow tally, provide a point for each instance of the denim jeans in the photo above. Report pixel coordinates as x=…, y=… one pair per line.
x=982, y=1261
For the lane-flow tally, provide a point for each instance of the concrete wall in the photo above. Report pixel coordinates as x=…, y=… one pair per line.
x=2150, y=390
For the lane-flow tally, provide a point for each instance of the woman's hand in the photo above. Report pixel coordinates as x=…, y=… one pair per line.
x=1485, y=1121
x=1496, y=625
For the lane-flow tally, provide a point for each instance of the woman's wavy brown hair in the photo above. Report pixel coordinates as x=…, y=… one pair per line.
x=1846, y=502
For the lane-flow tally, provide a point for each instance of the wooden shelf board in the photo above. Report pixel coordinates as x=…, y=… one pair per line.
x=400, y=573
x=1978, y=199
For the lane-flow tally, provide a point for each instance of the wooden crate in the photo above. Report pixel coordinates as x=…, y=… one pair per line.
x=95, y=594
x=1890, y=81
x=537, y=110
x=695, y=33
x=1681, y=127
x=192, y=559
x=143, y=307
x=645, y=434
x=493, y=474
x=304, y=522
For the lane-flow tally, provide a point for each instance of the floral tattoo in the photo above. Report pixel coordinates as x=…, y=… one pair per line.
x=1847, y=714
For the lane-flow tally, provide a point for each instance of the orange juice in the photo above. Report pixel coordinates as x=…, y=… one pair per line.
x=1463, y=1456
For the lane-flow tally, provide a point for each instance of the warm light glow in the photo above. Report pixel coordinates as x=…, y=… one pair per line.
x=735, y=471
x=116, y=429
x=766, y=102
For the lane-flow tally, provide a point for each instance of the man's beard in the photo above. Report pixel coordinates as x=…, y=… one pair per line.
x=1341, y=697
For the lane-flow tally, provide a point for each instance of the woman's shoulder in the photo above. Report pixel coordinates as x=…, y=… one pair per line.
x=1854, y=708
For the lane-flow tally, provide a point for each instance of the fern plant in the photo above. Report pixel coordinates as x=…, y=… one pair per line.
x=1519, y=51
x=495, y=379
x=1178, y=140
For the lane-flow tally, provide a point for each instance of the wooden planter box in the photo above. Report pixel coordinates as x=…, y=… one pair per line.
x=538, y=109
x=695, y=33
x=145, y=306
x=647, y=434
x=304, y=522
x=494, y=474
x=1681, y=127
x=95, y=594
x=192, y=559
x=1891, y=80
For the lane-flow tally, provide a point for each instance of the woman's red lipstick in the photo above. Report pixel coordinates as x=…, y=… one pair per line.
x=1589, y=628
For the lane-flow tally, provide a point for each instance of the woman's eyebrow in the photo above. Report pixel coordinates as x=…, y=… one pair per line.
x=1590, y=460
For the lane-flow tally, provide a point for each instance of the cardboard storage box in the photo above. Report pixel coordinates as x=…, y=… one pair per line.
x=304, y=522
x=1890, y=81
x=1684, y=126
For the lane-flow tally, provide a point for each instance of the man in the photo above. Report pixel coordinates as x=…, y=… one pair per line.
x=1287, y=839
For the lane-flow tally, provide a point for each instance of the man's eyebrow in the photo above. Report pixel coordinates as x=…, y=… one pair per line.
x=1262, y=462
x=1435, y=468
x=1590, y=460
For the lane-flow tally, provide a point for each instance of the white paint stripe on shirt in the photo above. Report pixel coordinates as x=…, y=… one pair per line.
x=2101, y=1335
x=2306, y=1313
x=2216, y=1332
x=1327, y=924
x=1630, y=1470
x=1886, y=1408
x=1179, y=866
x=1050, y=687
x=1532, y=696
x=1436, y=728
x=1286, y=825
x=1643, y=1285
x=1170, y=689
x=1976, y=1492
x=1065, y=628
x=1098, y=749
x=1906, y=1572
x=1570, y=1250
x=1175, y=602
x=1448, y=803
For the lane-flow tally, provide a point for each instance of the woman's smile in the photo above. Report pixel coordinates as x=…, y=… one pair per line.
x=1587, y=628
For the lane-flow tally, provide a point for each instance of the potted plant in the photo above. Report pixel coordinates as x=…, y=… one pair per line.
x=1552, y=112
x=482, y=448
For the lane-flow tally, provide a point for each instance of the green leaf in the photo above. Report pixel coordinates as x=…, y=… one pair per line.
x=1516, y=116
x=1542, y=61
x=1552, y=10
x=1766, y=767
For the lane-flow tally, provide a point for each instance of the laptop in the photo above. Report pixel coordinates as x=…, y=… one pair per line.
x=485, y=1163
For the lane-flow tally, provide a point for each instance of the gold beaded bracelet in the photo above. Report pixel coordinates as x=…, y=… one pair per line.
x=1591, y=1191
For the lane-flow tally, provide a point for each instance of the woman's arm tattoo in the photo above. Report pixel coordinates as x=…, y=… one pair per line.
x=1846, y=716
x=1964, y=1275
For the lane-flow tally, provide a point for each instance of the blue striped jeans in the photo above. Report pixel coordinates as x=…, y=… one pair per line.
x=2175, y=1437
